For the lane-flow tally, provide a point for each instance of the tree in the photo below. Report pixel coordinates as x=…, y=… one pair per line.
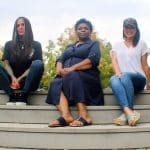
x=105, y=65
x=49, y=59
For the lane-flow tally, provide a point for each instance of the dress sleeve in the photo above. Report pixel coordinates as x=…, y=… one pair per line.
x=95, y=54
x=68, y=52
x=61, y=58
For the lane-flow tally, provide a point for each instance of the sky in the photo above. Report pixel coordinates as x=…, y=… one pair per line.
x=49, y=18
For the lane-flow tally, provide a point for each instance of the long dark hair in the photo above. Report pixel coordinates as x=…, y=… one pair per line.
x=25, y=41
x=132, y=22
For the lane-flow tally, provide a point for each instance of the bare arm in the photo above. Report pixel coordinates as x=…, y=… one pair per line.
x=14, y=82
x=146, y=69
x=23, y=75
x=9, y=69
x=115, y=65
x=83, y=65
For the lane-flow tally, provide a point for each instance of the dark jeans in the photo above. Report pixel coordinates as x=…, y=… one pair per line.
x=28, y=84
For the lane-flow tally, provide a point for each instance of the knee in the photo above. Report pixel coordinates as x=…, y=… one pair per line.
x=125, y=77
x=113, y=80
x=37, y=65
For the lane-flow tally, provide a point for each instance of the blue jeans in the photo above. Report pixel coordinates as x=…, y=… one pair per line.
x=29, y=83
x=126, y=86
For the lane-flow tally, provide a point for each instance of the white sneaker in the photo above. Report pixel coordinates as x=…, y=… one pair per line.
x=21, y=104
x=11, y=104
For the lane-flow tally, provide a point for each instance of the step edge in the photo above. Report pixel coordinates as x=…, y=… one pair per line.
x=93, y=129
x=40, y=107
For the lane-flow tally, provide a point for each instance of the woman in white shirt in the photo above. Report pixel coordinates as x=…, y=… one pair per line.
x=129, y=60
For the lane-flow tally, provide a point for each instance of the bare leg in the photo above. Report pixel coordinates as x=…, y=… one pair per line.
x=63, y=108
x=127, y=111
x=82, y=113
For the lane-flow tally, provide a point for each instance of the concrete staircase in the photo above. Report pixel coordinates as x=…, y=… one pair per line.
x=26, y=126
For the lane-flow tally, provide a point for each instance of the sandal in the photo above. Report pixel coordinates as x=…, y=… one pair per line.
x=121, y=121
x=133, y=118
x=61, y=123
x=81, y=122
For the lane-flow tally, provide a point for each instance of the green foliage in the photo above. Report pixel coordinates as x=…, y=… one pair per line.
x=105, y=65
x=66, y=38
x=49, y=60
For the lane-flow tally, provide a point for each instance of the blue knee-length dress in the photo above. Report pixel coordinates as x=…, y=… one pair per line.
x=78, y=86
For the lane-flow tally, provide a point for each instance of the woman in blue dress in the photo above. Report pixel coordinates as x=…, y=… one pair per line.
x=77, y=79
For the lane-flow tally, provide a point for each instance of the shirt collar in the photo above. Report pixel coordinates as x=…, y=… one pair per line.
x=87, y=41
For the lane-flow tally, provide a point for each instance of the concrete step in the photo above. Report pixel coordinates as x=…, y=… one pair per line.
x=88, y=137
x=38, y=98
x=26, y=126
x=45, y=114
x=142, y=98
x=35, y=98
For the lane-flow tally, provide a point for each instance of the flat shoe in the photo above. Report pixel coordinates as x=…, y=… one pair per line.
x=61, y=123
x=121, y=121
x=133, y=118
x=82, y=121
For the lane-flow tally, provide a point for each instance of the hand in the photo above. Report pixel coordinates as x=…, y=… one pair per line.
x=63, y=72
x=14, y=84
x=58, y=71
x=69, y=69
x=119, y=74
